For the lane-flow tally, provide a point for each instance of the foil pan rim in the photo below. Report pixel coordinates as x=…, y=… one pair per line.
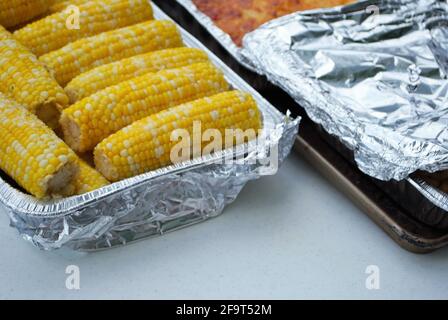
x=433, y=194
x=18, y=202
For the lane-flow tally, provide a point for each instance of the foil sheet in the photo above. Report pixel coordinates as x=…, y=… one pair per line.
x=372, y=73
x=159, y=201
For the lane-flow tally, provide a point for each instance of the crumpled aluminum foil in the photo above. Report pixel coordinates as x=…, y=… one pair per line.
x=159, y=201
x=372, y=73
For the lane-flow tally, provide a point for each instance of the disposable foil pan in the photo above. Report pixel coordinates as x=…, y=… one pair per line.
x=372, y=74
x=376, y=82
x=156, y=202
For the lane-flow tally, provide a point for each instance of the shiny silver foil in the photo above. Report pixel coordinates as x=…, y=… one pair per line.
x=157, y=202
x=372, y=73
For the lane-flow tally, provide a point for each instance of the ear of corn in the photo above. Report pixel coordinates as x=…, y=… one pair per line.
x=88, y=179
x=110, y=74
x=53, y=32
x=14, y=12
x=60, y=5
x=146, y=144
x=85, y=54
x=32, y=154
x=24, y=79
x=94, y=118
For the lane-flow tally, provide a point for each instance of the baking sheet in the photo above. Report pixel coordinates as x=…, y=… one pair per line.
x=153, y=203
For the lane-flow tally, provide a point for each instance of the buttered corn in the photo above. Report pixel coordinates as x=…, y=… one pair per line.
x=15, y=12
x=88, y=179
x=110, y=74
x=54, y=31
x=60, y=5
x=148, y=144
x=85, y=54
x=24, y=79
x=32, y=154
x=94, y=118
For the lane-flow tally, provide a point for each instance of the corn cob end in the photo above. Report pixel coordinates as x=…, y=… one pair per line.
x=71, y=133
x=105, y=166
x=73, y=94
x=49, y=113
x=57, y=185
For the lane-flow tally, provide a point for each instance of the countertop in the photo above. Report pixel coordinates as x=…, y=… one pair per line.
x=288, y=236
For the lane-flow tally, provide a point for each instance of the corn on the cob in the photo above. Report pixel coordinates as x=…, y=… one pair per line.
x=110, y=74
x=147, y=144
x=88, y=179
x=94, y=118
x=60, y=5
x=24, y=79
x=52, y=33
x=32, y=154
x=85, y=54
x=14, y=12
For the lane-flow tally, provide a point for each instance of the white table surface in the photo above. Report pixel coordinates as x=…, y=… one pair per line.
x=289, y=236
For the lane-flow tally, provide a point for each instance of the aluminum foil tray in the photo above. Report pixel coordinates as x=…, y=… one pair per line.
x=156, y=202
x=375, y=81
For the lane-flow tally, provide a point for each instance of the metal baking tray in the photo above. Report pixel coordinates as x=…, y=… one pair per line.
x=153, y=203
x=397, y=207
x=417, y=225
x=416, y=196
x=376, y=203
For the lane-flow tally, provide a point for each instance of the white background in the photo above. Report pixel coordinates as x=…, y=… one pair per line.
x=286, y=237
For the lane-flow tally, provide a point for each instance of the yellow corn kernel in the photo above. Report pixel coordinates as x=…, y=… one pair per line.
x=14, y=12
x=32, y=154
x=94, y=118
x=88, y=179
x=110, y=74
x=53, y=32
x=148, y=144
x=24, y=79
x=60, y=5
x=85, y=54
